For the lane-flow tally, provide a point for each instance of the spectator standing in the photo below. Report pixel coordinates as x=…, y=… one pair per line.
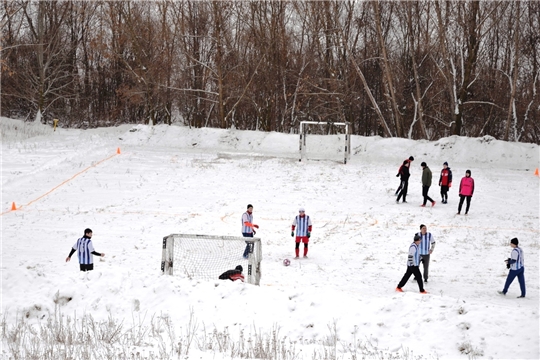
x=85, y=251
x=516, y=265
x=248, y=229
x=405, y=174
x=409, y=160
x=445, y=182
x=413, y=260
x=466, y=191
x=426, y=183
x=302, y=224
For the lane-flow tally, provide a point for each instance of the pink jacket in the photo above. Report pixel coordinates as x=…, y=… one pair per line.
x=466, y=187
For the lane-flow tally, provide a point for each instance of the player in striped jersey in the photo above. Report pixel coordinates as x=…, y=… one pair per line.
x=248, y=228
x=85, y=251
x=302, y=224
x=516, y=265
x=413, y=262
x=427, y=245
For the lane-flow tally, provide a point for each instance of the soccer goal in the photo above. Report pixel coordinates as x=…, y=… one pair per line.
x=205, y=257
x=325, y=141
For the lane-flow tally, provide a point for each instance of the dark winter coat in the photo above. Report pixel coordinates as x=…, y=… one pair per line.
x=232, y=275
x=404, y=173
x=426, y=177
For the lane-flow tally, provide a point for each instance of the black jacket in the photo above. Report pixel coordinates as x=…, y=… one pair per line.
x=404, y=173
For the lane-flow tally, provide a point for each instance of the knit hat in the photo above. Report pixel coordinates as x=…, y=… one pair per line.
x=417, y=237
x=301, y=210
x=445, y=163
x=514, y=241
x=249, y=206
x=239, y=267
x=468, y=172
x=423, y=164
x=411, y=158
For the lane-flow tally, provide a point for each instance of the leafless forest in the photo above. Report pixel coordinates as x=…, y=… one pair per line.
x=415, y=69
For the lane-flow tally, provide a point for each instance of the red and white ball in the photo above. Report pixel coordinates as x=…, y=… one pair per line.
x=286, y=262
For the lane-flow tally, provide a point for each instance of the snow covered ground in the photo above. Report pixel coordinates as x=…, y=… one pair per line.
x=172, y=179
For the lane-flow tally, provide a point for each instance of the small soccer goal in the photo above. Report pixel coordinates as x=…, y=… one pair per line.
x=205, y=257
x=325, y=141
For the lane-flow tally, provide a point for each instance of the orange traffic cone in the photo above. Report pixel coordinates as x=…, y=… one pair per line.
x=118, y=151
x=13, y=206
x=536, y=172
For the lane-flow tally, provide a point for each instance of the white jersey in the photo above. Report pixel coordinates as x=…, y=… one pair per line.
x=247, y=217
x=84, y=249
x=302, y=224
x=517, y=254
x=426, y=244
x=414, y=255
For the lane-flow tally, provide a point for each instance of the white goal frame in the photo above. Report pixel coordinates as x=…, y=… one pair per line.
x=303, y=135
x=174, y=263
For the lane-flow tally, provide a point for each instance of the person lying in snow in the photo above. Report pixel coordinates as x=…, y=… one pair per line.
x=233, y=275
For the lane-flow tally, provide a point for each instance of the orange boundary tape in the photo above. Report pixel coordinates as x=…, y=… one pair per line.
x=57, y=186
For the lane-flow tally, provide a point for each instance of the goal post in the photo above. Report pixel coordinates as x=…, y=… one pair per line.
x=326, y=128
x=205, y=257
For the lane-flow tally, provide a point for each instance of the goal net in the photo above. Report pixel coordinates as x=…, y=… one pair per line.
x=325, y=141
x=205, y=257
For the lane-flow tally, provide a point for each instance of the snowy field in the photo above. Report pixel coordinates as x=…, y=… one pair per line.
x=172, y=179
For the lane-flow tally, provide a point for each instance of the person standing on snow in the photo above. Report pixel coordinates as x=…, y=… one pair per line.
x=413, y=262
x=445, y=182
x=85, y=251
x=466, y=190
x=302, y=224
x=426, y=183
x=409, y=160
x=248, y=229
x=405, y=174
x=426, y=247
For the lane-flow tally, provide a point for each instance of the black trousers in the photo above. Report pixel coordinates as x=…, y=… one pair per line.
x=444, y=192
x=461, y=198
x=399, y=187
x=86, y=267
x=412, y=270
x=425, y=190
x=404, y=188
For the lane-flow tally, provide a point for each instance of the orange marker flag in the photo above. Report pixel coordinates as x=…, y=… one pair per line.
x=536, y=172
x=13, y=206
x=118, y=151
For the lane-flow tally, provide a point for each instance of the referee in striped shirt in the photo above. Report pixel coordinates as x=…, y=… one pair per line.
x=85, y=251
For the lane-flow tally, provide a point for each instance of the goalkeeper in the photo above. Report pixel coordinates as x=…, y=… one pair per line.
x=233, y=275
x=302, y=224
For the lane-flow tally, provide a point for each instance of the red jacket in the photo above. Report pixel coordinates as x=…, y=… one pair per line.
x=446, y=177
x=466, y=187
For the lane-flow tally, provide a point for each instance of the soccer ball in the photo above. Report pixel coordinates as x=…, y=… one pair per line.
x=286, y=262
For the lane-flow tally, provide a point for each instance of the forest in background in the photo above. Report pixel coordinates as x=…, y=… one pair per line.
x=412, y=69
